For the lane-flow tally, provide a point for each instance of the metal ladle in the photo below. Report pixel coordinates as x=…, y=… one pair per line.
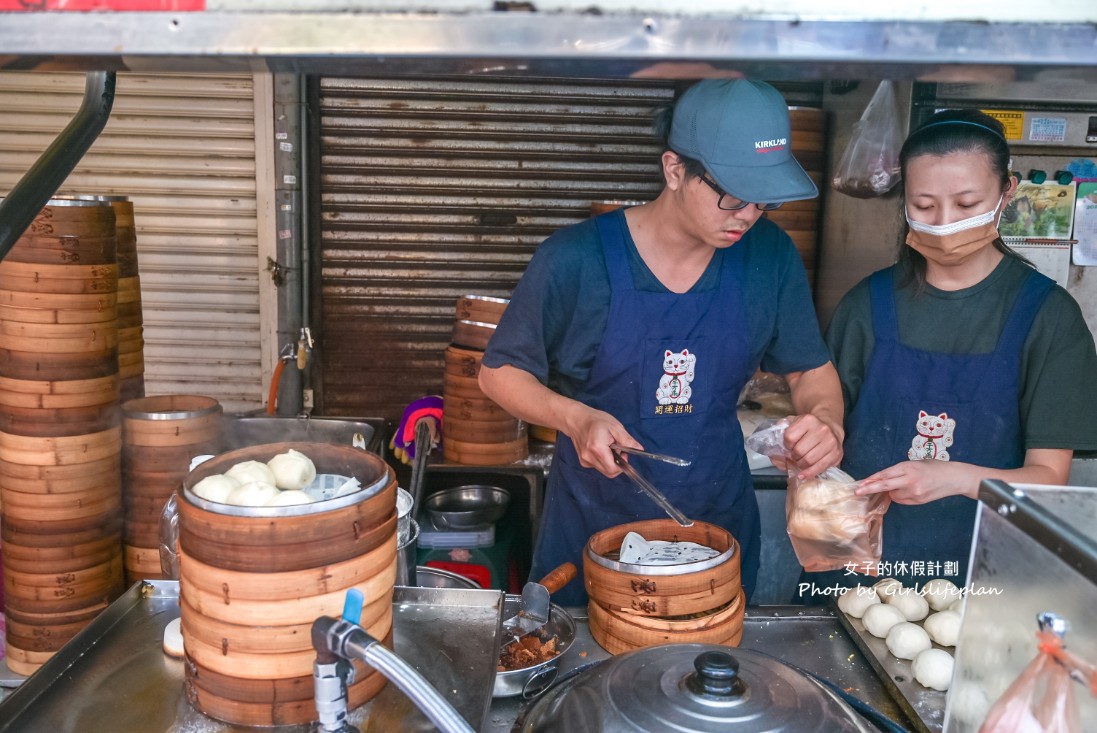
x=649, y=489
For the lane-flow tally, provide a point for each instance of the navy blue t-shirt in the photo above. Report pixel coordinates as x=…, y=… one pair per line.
x=554, y=323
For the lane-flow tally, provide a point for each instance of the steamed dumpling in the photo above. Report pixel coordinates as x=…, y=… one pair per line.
x=216, y=488
x=247, y=472
x=292, y=470
x=255, y=493
x=290, y=498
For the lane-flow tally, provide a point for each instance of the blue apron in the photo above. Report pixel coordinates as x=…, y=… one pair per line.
x=670, y=368
x=922, y=405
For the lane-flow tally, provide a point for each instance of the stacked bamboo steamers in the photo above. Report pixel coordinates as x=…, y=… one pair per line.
x=634, y=606
x=476, y=431
x=253, y=579
x=60, y=438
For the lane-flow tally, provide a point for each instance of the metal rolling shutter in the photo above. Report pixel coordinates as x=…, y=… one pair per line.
x=431, y=189
x=182, y=147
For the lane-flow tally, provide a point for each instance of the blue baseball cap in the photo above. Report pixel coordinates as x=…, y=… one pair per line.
x=739, y=130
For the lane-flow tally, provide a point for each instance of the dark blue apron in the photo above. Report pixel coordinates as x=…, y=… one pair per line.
x=921, y=405
x=644, y=376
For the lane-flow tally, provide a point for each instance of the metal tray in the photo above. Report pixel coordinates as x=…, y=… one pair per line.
x=114, y=676
x=925, y=707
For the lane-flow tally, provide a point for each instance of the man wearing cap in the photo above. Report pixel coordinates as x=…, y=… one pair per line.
x=641, y=326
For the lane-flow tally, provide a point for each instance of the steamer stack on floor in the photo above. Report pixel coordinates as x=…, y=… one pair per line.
x=131, y=342
x=60, y=437
x=160, y=436
x=476, y=431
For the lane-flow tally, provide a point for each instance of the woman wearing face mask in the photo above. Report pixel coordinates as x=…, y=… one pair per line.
x=958, y=363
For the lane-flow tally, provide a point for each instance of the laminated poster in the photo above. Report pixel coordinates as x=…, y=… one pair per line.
x=1085, y=225
x=1040, y=211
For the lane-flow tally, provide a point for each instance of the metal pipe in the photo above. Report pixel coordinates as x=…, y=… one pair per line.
x=351, y=641
x=40, y=183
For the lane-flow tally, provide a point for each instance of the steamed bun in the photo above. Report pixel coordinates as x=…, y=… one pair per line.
x=216, y=488
x=292, y=470
x=255, y=493
x=247, y=472
x=290, y=498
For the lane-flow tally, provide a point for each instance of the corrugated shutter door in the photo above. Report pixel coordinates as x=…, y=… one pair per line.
x=431, y=189
x=182, y=147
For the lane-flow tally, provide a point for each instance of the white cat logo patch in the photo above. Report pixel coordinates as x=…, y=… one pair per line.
x=678, y=370
x=933, y=439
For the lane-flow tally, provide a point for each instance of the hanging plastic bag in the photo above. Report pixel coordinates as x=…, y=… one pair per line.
x=1041, y=699
x=830, y=527
x=870, y=164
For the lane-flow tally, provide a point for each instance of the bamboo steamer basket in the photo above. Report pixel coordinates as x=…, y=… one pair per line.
x=270, y=702
x=662, y=590
x=58, y=279
x=253, y=579
x=477, y=431
x=25, y=662
x=465, y=361
x=161, y=435
x=61, y=450
x=59, y=366
x=620, y=633
x=472, y=334
x=480, y=308
x=27, y=536
x=542, y=433
x=61, y=558
x=484, y=454
x=800, y=219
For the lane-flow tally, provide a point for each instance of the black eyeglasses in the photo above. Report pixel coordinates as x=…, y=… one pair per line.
x=728, y=202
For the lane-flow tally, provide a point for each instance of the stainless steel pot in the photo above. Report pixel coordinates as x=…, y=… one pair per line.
x=532, y=681
x=693, y=687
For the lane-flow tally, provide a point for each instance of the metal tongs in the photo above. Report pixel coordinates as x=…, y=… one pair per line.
x=647, y=486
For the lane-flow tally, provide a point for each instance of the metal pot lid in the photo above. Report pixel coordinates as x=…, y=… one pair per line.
x=693, y=687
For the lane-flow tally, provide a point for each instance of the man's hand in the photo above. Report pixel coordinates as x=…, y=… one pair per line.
x=593, y=432
x=813, y=445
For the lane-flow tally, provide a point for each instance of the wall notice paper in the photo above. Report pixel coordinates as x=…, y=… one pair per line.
x=1085, y=225
x=1051, y=257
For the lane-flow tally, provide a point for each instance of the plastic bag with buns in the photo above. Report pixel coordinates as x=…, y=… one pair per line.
x=830, y=527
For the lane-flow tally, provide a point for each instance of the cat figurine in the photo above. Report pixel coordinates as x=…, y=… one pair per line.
x=677, y=374
x=933, y=439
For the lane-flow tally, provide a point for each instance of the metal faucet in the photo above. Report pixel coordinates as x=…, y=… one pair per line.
x=338, y=640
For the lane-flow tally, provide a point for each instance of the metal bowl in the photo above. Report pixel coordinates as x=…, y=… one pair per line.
x=428, y=577
x=467, y=507
x=532, y=681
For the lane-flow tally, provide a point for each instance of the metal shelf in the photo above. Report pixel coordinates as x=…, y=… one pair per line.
x=672, y=45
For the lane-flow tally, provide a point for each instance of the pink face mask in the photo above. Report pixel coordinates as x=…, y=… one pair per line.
x=951, y=244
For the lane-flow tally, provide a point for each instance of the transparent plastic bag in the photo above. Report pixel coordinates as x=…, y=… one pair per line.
x=830, y=527
x=1041, y=699
x=869, y=165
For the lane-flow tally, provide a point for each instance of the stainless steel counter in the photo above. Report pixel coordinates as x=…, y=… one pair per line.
x=115, y=676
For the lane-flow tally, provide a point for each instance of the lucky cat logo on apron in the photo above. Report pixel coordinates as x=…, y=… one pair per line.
x=678, y=370
x=933, y=439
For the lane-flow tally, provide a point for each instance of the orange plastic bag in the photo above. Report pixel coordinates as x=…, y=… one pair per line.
x=1041, y=699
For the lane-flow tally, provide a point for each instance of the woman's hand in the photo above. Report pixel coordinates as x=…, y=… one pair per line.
x=914, y=482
